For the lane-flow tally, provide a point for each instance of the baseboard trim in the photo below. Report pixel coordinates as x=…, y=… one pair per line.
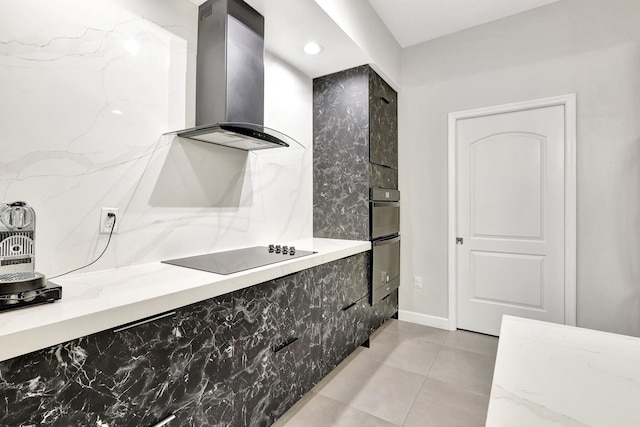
x=424, y=319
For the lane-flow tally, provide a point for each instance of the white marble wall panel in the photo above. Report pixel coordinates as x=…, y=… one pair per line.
x=87, y=89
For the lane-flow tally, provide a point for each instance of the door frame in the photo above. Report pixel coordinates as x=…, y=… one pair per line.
x=570, y=221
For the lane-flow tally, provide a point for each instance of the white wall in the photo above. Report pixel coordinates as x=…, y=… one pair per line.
x=65, y=67
x=359, y=21
x=588, y=47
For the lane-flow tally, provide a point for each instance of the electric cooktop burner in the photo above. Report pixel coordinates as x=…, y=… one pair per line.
x=230, y=262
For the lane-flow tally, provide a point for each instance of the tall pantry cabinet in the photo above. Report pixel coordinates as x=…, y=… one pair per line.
x=355, y=147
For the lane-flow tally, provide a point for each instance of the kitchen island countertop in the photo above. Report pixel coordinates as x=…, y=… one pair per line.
x=556, y=375
x=100, y=300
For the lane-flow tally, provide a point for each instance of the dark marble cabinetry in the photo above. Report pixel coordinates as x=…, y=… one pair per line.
x=130, y=377
x=355, y=146
x=343, y=283
x=383, y=123
x=277, y=346
x=345, y=309
x=344, y=332
x=241, y=359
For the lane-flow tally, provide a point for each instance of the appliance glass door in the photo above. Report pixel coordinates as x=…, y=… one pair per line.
x=385, y=219
x=385, y=268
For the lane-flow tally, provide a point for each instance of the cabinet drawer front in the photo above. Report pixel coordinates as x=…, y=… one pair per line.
x=382, y=176
x=343, y=333
x=269, y=314
x=382, y=310
x=383, y=123
x=273, y=381
x=343, y=282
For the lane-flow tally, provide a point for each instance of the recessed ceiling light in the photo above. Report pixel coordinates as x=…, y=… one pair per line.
x=118, y=112
x=312, y=48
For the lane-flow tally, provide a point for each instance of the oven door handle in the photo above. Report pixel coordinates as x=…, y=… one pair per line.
x=388, y=241
x=385, y=204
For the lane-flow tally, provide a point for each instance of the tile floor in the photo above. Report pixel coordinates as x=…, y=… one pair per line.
x=412, y=375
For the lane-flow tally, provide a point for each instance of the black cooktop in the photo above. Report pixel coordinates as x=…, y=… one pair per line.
x=230, y=262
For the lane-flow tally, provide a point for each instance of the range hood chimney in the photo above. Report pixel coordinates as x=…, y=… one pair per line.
x=230, y=79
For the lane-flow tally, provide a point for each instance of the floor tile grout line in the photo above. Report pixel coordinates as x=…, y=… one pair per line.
x=426, y=377
x=469, y=351
x=414, y=401
x=414, y=338
x=434, y=360
x=398, y=367
x=377, y=362
x=360, y=410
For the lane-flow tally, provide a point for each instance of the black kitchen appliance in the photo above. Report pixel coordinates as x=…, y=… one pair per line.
x=385, y=240
x=230, y=79
x=229, y=262
x=20, y=284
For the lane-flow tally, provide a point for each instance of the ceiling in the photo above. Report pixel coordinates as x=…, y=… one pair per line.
x=289, y=24
x=416, y=21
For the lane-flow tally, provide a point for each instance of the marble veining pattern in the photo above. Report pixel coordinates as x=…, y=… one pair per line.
x=343, y=283
x=269, y=315
x=383, y=177
x=344, y=332
x=383, y=122
x=128, y=378
x=549, y=375
x=383, y=310
x=341, y=155
x=272, y=382
x=224, y=361
x=88, y=88
x=100, y=300
x=352, y=127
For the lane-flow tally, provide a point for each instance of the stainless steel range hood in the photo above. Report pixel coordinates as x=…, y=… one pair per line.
x=230, y=79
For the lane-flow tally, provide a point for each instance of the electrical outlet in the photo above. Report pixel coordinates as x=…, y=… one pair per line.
x=108, y=223
x=417, y=282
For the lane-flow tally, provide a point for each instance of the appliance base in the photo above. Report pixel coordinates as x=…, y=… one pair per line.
x=14, y=300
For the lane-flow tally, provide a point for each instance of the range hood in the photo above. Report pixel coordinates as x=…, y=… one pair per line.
x=230, y=79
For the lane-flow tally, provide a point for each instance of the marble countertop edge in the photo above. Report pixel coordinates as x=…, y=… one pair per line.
x=101, y=300
x=549, y=374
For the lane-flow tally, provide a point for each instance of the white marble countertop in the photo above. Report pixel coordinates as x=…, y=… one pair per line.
x=556, y=375
x=96, y=301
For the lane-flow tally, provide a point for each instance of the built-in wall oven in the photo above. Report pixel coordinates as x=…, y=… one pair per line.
x=385, y=238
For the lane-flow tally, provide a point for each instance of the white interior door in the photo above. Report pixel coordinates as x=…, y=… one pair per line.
x=510, y=214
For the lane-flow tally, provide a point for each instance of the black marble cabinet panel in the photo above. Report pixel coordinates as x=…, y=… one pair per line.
x=382, y=310
x=201, y=394
x=355, y=147
x=103, y=378
x=344, y=332
x=270, y=314
x=383, y=177
x=343, y=282
x=275, y=379
x=383, y=123
x=219, y=362
x=277, y=345
x=341, y=155
x=129, y=378
x=355, y=143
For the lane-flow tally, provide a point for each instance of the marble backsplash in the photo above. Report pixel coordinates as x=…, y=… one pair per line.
x=87, y=90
